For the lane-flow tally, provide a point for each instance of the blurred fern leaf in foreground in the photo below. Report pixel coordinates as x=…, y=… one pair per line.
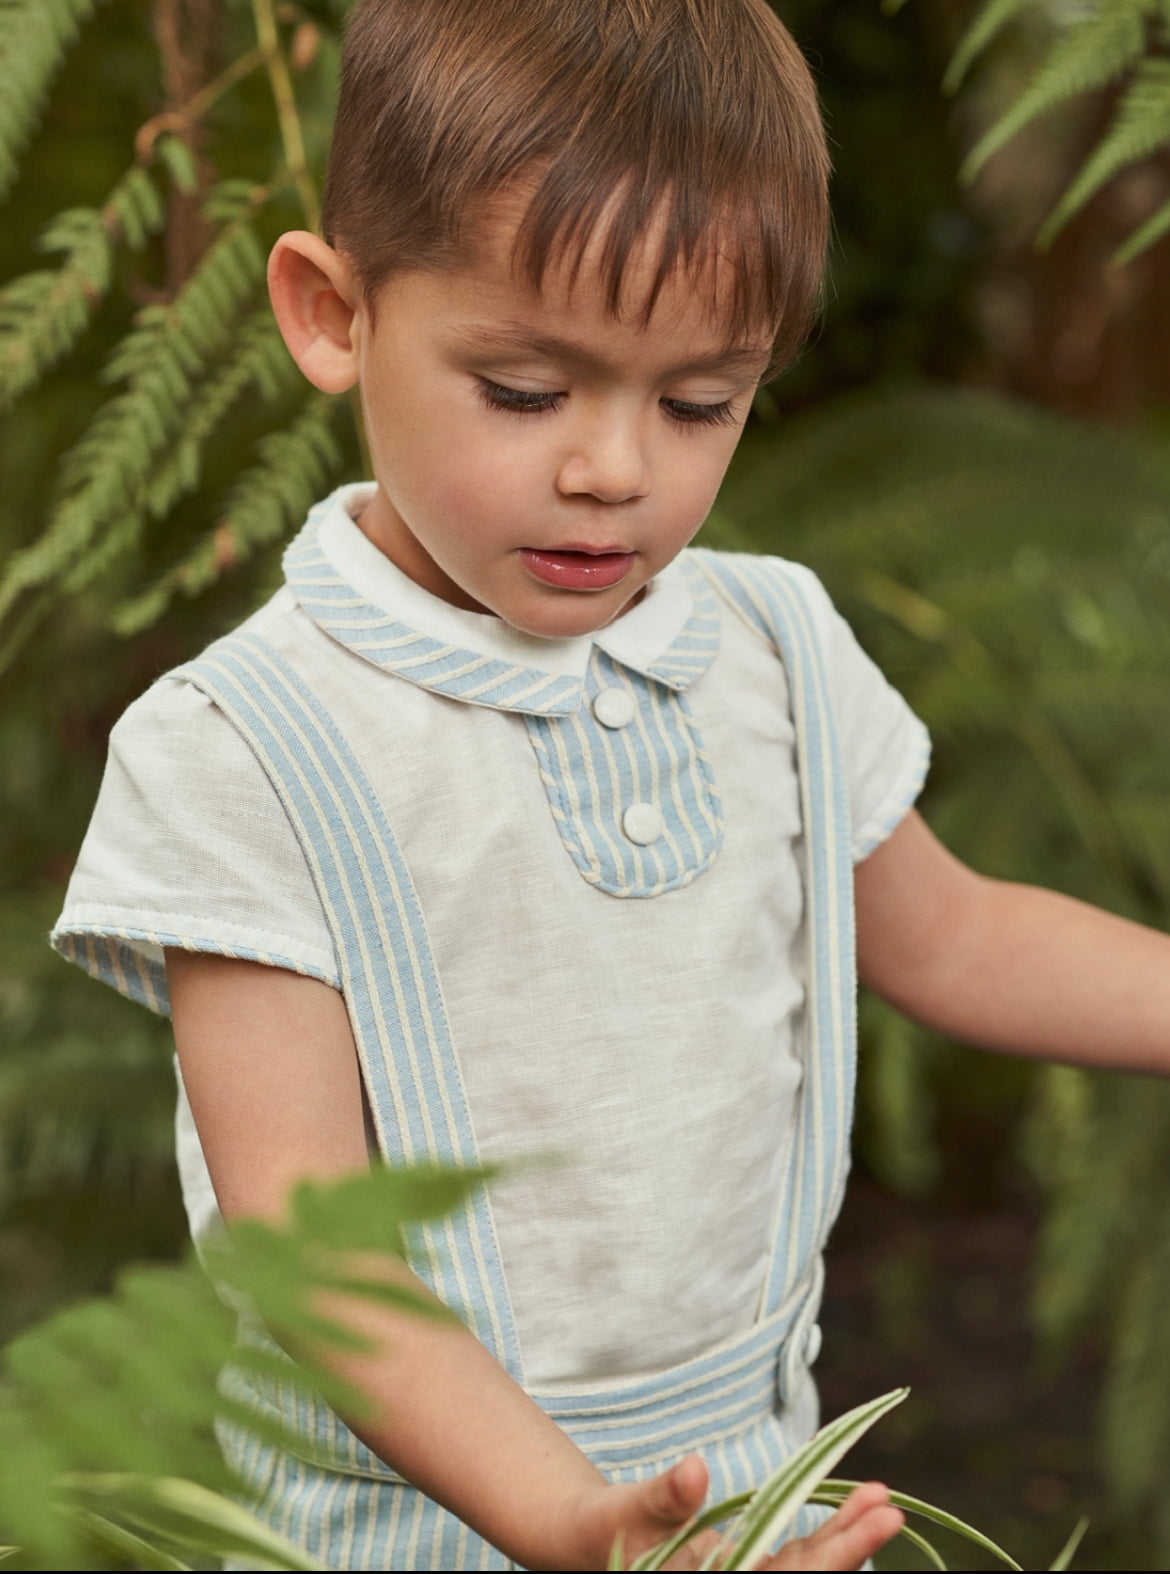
x=107, y=1409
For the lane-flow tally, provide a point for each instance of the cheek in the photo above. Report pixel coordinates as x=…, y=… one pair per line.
x=476, y=496
x=692, y=482
x=480, y=486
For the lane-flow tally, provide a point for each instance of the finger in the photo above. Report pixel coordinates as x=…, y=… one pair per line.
x=644, y=1512
x=649, y=1511
x=871, y=1494
x=677, y=1493
x=833, y=1547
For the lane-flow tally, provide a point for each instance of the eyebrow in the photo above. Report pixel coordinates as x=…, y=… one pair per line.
x=511, y=336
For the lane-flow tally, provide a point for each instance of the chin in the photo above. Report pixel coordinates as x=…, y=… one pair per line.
x=567, y=618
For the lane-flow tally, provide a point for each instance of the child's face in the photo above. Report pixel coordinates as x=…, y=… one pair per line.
x=536, y=457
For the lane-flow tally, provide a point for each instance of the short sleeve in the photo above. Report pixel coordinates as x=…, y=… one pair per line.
x=885, y=747
x=189, y=846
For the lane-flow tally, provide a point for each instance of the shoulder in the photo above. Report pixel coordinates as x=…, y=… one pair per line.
x=175, y=714
x=758, y=568
x=768, y=591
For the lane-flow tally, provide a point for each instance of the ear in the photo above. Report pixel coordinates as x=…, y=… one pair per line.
x=317, y=302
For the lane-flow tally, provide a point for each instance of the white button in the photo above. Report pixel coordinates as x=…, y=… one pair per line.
x=614, y=707
x=642, y=823
x=812, y=1343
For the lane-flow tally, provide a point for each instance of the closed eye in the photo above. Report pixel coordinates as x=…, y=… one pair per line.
x=516, y=401
x=688, y=414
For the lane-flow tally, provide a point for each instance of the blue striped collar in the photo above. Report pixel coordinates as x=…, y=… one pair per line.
x=358, y=596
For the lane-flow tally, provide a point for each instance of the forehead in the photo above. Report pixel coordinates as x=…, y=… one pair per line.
x=581, y=280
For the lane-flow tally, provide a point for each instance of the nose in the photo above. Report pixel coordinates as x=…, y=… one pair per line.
x=606, y=460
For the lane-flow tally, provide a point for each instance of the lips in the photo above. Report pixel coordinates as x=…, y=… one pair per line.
x=577, y=568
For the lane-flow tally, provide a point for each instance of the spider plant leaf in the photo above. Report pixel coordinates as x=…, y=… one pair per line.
x=917, y=1539
x=834, y=1498
x=777, y=1502
x=1065, y=1556
x=657, y=1557
x=937, y=1516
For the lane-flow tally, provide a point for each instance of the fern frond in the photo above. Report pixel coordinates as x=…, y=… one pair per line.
x=35, y=36
x=1145, y=236
x=1091, y=53
x=103, y=477
x=259, y=362
x=129, y=1383
x=985, y=28
x=270, y=500
x=42, y=314
x=1140, y=126
x=296, y=465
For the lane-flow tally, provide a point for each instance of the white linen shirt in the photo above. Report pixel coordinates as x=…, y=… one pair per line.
x=625, y=1000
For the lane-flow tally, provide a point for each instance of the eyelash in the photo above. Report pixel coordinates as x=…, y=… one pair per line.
x=523, y=401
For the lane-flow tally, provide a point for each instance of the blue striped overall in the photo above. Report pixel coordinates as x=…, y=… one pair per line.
x=743, y=1405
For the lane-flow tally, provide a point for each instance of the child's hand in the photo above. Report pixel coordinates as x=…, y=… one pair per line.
x=863, y=1524
x=651, y=1511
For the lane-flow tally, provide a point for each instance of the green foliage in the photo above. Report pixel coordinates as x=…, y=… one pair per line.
x=86, y=1124
x=43, y=314
x=985, y=27
x=188, y=362
x=1093, y=47
x=34, y=38
x=1141, y=126
x=267, y=502
x=107, y=1409
x=109, y=480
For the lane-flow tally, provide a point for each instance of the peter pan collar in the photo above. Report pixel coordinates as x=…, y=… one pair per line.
x=359, y=597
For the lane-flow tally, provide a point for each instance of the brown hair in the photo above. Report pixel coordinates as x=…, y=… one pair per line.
x=696, y=117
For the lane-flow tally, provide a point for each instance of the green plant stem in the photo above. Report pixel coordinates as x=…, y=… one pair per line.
x=195, y=108
x=288, y=119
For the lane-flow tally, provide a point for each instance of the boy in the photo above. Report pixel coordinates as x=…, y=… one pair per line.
x=510, y=826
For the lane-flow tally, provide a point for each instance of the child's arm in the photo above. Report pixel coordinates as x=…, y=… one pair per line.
x=271, y=1071
x=1009, y=967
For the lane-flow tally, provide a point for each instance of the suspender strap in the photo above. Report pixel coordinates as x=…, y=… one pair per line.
x=388, y=974
x=767, y=594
